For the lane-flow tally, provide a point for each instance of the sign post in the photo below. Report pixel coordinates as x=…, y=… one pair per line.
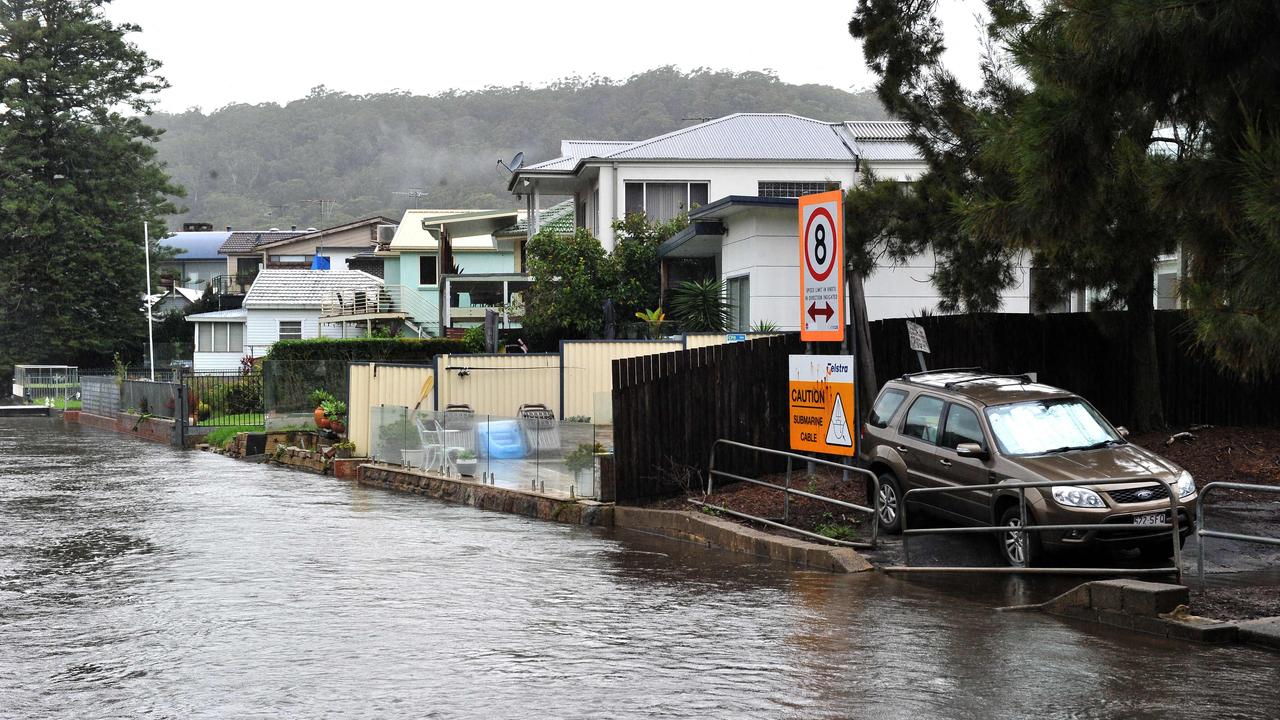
x=822, y=404
x=918, y=342
x=822, y=267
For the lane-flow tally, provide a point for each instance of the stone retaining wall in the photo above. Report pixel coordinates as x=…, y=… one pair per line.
x=487, y=497
x=154, y=429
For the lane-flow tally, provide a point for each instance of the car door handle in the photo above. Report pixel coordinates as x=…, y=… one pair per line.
x=901, y=449
x=945, y=461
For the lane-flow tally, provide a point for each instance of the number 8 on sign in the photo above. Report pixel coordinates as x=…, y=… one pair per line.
x=822, y=266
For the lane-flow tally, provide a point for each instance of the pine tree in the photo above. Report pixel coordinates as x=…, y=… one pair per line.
x=77, y=180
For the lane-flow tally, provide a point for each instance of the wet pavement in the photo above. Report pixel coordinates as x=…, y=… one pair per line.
x=139, y=581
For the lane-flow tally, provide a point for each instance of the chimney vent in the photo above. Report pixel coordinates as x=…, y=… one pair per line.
x=293, y=228
x=228, y=228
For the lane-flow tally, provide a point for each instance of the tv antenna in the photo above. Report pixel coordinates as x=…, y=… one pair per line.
x=415, y=193
x=279, y=210
x=326, y=206
x=516, y=163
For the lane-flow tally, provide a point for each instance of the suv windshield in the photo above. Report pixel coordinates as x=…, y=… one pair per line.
x=1044, y=426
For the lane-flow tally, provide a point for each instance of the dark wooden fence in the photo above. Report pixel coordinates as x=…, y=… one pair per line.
x=1087, y=353
x=669, y=409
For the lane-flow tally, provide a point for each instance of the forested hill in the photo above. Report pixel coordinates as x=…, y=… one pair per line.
x=269, y=165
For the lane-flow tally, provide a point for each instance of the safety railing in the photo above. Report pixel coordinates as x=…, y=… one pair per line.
x=788, y=491
x=1203, y=532
x=1021, y=487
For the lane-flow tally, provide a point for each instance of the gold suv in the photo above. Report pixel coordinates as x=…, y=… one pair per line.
x=952, y=428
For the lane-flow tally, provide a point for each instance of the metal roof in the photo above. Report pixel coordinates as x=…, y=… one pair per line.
x=220, y=315
x=245, y=241
x=280, y=288
x=196, y=245
x=558, y=217
x=889, y=150
x=313, y=234
x=878, y=129
x=745, y=136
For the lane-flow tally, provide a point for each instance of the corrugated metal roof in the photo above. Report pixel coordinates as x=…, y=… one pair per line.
x=745, y=136
x=196, y=245
x=279, y=288
x=244, y=241
x=878, y=129
x=592, y=148
x=558, y=217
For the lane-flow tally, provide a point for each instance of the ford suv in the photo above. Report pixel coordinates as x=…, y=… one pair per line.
x=951, y=428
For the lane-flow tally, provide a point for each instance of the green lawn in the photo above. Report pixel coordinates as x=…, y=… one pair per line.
x=233, y=419
x=69, y=404
x=220, y=436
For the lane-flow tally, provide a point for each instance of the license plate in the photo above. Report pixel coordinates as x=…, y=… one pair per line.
x=1151, y=519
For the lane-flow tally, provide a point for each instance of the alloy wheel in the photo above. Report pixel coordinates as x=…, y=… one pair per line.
x=888, y=505
x=1015, y=544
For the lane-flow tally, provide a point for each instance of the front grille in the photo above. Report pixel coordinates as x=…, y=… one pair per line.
x=1142, y=494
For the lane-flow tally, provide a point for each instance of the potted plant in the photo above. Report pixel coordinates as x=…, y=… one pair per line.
x=344, y=448
x=318, y=398
x=466, y=463
x=335, y=415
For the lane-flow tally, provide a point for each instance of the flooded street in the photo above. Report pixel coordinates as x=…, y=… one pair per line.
x=137, y=581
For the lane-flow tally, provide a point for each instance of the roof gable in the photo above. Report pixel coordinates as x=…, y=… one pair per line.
x=241, y=242
x=745, y=136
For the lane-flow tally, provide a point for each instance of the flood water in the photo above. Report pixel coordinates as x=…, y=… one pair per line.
x=139, y=581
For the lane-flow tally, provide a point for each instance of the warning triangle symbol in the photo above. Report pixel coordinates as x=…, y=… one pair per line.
x=838, y=427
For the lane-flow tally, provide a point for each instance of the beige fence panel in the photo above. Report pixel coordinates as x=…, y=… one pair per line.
x=373, y=384
x=588, y=373
x=499, y=384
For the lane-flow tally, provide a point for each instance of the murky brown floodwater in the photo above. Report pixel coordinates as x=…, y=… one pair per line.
x=136, y=581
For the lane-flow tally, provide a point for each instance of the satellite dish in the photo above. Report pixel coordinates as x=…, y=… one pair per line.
x=516, y=163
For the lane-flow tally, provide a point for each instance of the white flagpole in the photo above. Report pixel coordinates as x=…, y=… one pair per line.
x=151, y=345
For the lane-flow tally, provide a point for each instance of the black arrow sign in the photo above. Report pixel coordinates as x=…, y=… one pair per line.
x=826, y=312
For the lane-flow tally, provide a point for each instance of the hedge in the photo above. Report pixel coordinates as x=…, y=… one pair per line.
x=293, y=368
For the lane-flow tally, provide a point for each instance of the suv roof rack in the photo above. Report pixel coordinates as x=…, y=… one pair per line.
x=1015, y=376
x=908, y=376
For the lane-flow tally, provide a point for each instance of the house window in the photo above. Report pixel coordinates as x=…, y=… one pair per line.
x=662, y=201
x=787, y=189
x=428, y=270
x=740, y=302
x=290, y=329
x=219, y=337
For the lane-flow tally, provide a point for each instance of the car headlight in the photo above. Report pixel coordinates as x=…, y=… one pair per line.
x=1186, y=485
x=1072, y=496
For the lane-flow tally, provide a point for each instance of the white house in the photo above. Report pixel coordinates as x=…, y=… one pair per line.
x=281, y=305
x=738, y=177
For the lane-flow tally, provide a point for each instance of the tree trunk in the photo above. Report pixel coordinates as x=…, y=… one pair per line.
x=1147, y=409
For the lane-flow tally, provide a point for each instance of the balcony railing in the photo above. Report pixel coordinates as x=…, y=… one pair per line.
x=387, y=301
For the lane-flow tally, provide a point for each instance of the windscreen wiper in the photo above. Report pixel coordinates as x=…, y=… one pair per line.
x=1066, y=448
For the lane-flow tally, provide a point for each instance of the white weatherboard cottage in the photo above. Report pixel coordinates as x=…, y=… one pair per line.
x=281, y=305
x=738, y=177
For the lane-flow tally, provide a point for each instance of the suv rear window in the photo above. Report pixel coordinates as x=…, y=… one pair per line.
x=886, y=405
x=923, y=418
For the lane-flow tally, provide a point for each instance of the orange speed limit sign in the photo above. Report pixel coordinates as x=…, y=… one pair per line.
x=822, y=405
x=822, y=266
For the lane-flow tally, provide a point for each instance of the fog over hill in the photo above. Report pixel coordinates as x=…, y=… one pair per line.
x=332, y=156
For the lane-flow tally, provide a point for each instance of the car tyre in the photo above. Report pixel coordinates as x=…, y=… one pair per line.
x=889, y=505
x=1018, y=549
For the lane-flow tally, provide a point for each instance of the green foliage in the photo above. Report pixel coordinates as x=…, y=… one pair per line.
x=219, y=437
x=573, y=277
x=78, y=177
x=334, y=409
x=242, y=158
x=473, y=339
x=395, y=437
x=318, y=397
x=764, y=326
x=829, y=526
x=583, y=457
x=701, y=306
x=654, y=319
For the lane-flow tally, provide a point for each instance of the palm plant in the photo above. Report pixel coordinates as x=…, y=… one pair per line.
x=654, y=319
x=700, y=305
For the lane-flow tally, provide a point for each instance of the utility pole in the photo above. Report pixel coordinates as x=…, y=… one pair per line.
x=151, y=344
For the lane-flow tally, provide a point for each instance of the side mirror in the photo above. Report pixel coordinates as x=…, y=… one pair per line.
x=1124, y=431
x=972, y=450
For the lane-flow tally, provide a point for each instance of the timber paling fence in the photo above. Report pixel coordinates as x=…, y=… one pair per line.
x=669, y=410
x=1088, y=354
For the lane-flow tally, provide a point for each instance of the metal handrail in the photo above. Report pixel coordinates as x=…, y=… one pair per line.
x=1021, y=487
x=788, y=491
x=1202, y=532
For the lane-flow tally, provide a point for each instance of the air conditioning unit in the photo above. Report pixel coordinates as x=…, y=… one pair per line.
x=385, y=233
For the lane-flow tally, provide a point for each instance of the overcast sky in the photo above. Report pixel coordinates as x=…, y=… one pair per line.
x=253, y=51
